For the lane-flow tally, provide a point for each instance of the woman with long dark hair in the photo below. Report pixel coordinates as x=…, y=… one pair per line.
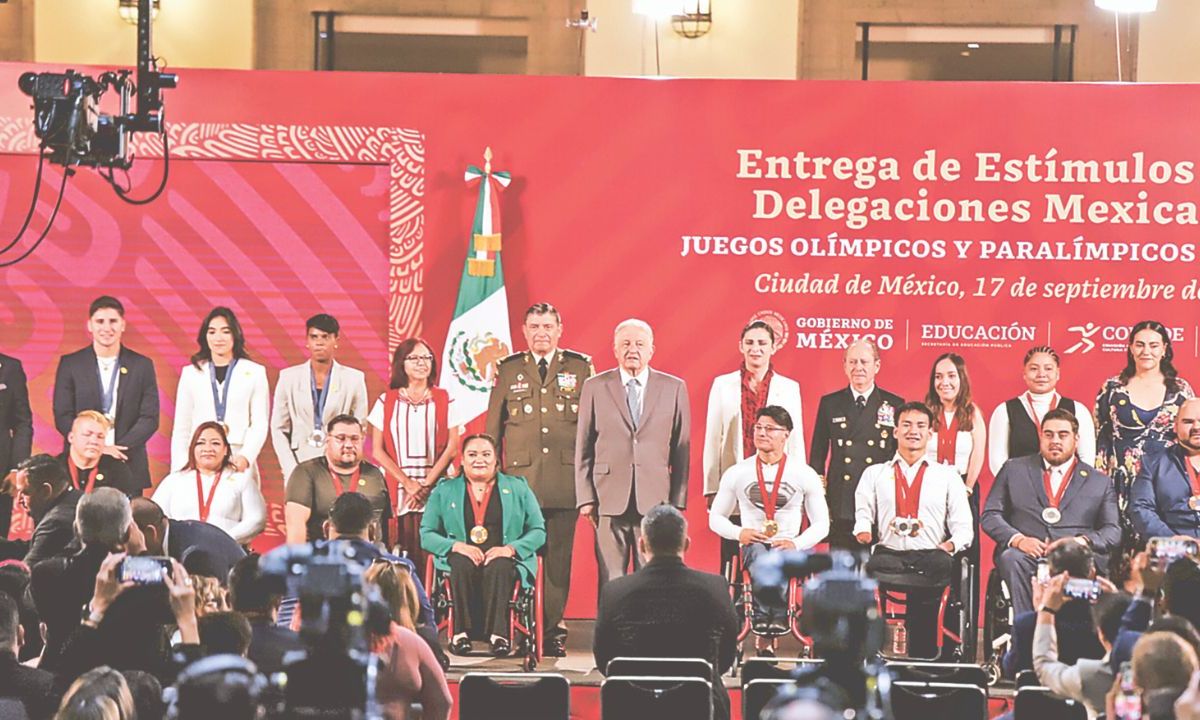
x=411, y=438
x=1135, y=411
x=222, y=384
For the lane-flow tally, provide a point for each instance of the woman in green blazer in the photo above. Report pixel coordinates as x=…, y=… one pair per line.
x=484, y=528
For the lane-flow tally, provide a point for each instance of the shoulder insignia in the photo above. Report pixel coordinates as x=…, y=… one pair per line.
x=514, y=356
x=573, y=355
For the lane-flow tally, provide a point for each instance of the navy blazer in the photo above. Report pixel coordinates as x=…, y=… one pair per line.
x=1018, y=496
x=1158, y=502
x=222, y=550
x=77, y=388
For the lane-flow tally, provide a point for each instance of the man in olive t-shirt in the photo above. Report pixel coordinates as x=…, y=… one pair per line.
x=315, y=484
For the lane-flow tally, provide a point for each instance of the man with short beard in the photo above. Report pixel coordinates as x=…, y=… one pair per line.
x=44, y=490
x=315, y=484
x=85, y=461
x=1165, y=497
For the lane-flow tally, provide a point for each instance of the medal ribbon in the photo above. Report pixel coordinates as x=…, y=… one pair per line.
x=91, y=483
x=319, y=397
x=221, y=399
x=1054, y=400
x=948, y=442
x=205, y=504
x=908, y=499
x=338, y=487
x=769, y=498
x=479, y=507
x=107, y=395
x=1056, y=497
x=1193, y=475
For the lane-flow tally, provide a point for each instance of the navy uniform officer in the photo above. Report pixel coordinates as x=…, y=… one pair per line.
x=533, y=413
x=855, y=429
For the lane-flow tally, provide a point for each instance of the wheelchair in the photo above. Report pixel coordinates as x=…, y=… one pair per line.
x=525, y=614
x=997, y=625
x=743, y=601
x=955, y=617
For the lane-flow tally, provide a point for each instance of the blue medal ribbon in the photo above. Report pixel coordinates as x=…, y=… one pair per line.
x=221, y=398
x=319, y=397
x=108, y=395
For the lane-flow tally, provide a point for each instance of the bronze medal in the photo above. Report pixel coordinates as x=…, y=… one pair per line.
x=479, y=534
x=770, y=528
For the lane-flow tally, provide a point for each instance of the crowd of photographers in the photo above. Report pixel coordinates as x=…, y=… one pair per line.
x=122, y=619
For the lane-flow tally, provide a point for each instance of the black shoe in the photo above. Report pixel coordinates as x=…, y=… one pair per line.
x=461, y=645
x=555, y=647
x=501, y=647
x=767, y=652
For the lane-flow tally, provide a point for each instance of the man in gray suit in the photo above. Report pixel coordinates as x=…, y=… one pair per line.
x=1040, y=498
x=631, y=449
x=311, y=394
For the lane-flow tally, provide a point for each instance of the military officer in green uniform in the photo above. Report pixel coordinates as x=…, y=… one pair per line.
x=533, y=413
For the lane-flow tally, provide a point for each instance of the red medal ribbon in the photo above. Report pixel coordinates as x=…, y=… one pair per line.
x=752, y=401
x=908, y=499
x=1056, y=497
x=1033, y=415
x=769, y=498
x=206, y=504
x=1193, y=475
x=338, y=487
x=479, y=507
x=91, y=483
x=948, y=442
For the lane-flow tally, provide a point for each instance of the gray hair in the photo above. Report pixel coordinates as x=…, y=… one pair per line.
x=633, y=322
x=664, y=529
x=862, y=341
x=103, y=517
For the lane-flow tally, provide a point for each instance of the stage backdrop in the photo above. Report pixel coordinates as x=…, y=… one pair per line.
x=983, y=218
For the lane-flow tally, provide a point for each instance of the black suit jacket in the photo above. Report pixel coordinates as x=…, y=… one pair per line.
x=77, y=388
x=847, y=440
x=60, y=587
x=184, y=536
x=33, y=687
x=269, y=644
x=109, y=472
x=55, y=530
x=16, y=427
x=669, y=610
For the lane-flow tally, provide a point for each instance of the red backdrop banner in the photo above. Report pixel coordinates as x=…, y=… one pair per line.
x=983, y=218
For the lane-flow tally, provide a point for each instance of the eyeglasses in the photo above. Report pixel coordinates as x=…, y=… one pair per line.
x=769, y=428
x=347, y=439
x=426, y=359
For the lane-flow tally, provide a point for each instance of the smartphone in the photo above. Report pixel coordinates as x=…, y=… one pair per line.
x=145, y=569
x=1043, y=571
x=1170, y=548
x=1082, y=589
x=1128, y=703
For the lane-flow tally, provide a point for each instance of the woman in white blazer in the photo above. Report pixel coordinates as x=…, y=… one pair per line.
x=210, y=489
x=223, y=384
x=727, y=436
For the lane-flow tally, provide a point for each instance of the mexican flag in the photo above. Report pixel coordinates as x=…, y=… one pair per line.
x=479, y=337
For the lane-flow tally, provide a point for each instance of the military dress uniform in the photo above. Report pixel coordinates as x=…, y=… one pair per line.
x=846, y=440
x=533, y=415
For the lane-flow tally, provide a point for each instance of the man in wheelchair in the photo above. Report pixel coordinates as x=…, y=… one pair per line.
x=773, y=496
x=920, y=514
x=1041, y=498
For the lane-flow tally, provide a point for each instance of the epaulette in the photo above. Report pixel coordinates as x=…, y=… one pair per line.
x=576, y=355
x=514, y=356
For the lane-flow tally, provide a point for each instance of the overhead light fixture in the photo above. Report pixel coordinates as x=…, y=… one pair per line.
x=693, y=19
x=129, y=10
x=1128, y=6
x=657, y=9
x=973, y=46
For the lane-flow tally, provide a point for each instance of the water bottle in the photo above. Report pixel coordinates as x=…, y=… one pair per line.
x=900, y=640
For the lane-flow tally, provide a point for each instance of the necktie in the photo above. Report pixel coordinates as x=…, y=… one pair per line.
x=632, y=392
x=542, y=368
x=860, y=401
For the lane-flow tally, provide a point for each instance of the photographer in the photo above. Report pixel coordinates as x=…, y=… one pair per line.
x=1180, y=583
x=1072, y=622
x=1087, y=680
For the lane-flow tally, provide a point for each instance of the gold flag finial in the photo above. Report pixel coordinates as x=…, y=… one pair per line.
x=487, y=160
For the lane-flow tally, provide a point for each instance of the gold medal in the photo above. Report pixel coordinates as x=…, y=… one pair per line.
x=770, y=528
x=479, y=534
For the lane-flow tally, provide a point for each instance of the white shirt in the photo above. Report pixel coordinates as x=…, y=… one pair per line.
x=998, y=430
x=943, y=506
x=962, y=446
x=1057, y=474
x=641, y=378
x=414, y=433
x=105, y=365
x=237, y=506
x=800, y=494
x=865, y=395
